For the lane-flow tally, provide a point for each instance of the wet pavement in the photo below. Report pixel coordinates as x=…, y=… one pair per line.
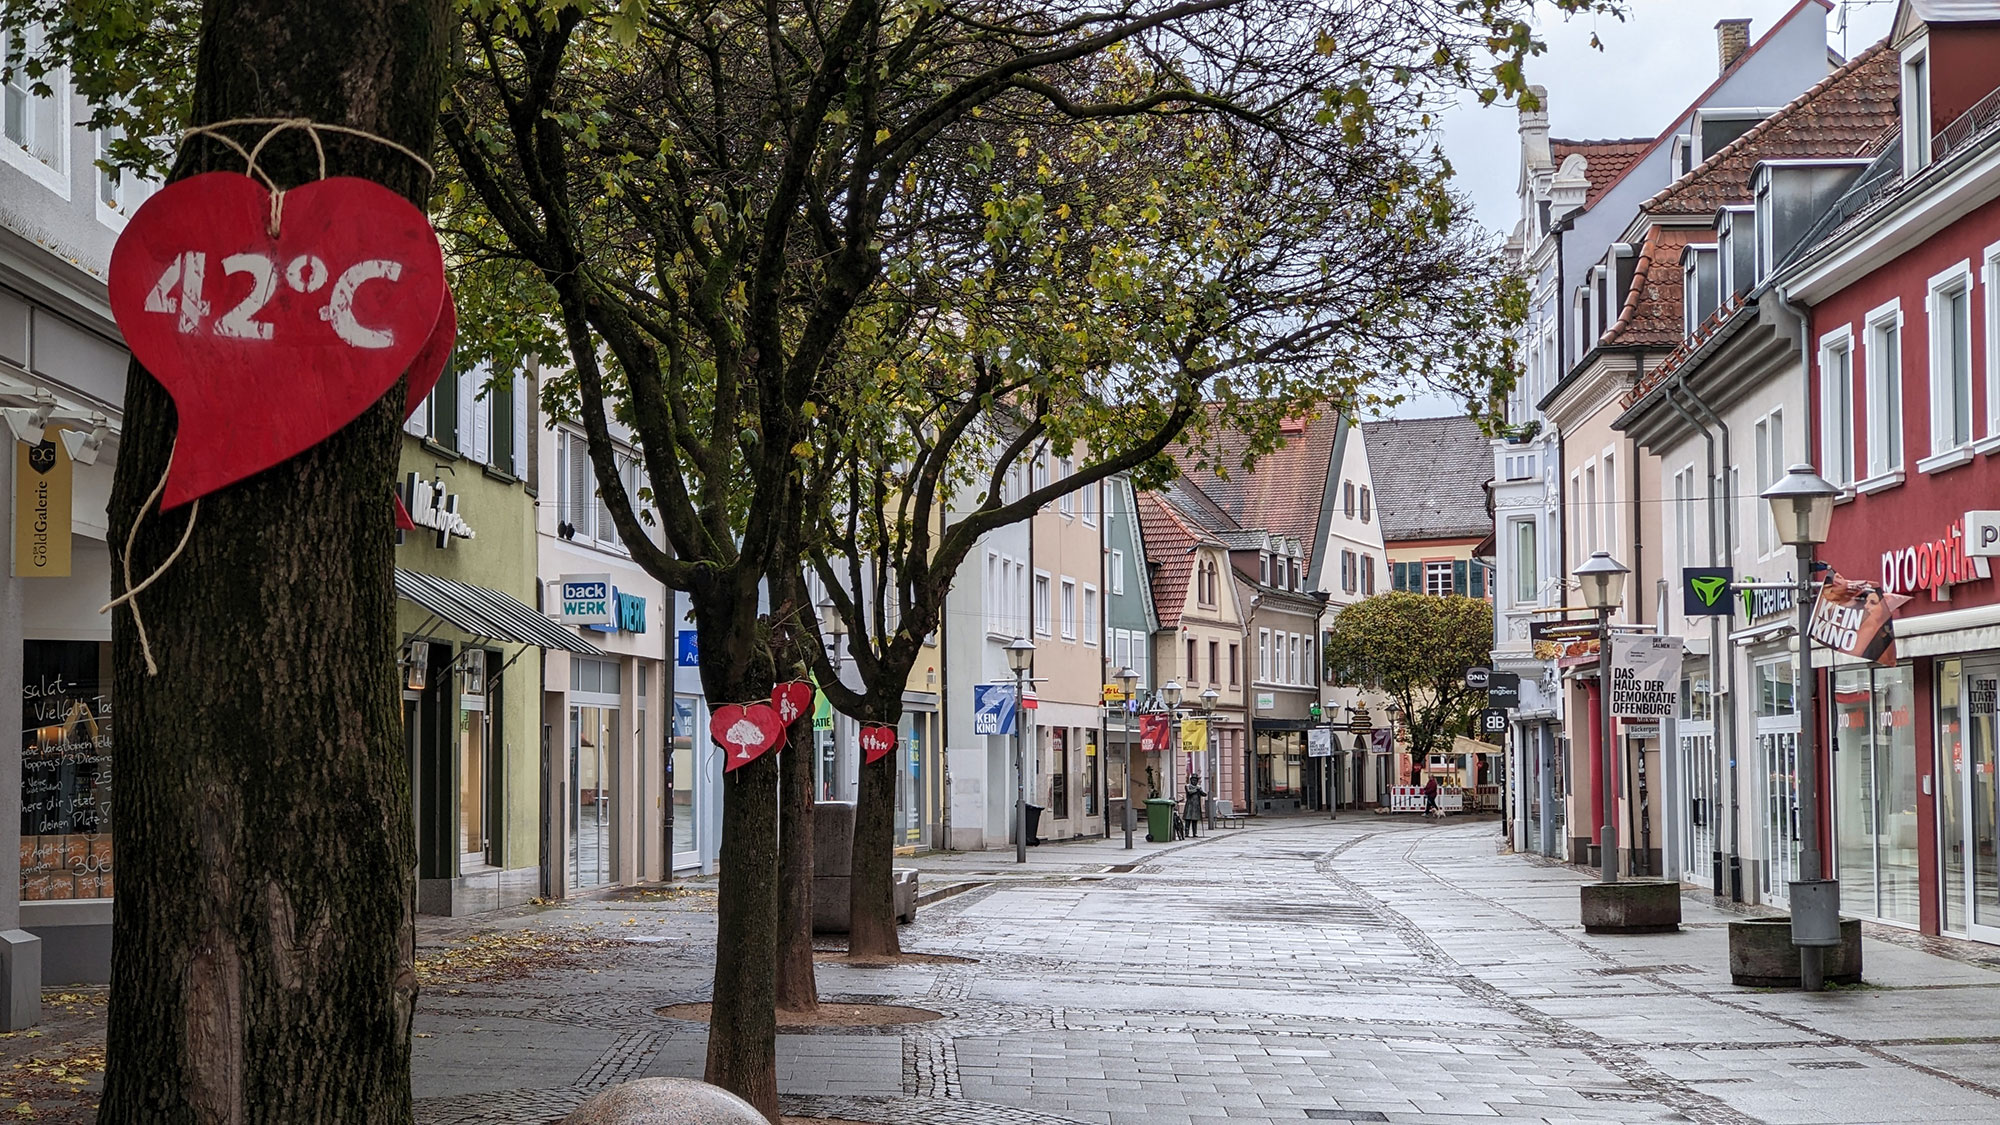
x=1371, y=969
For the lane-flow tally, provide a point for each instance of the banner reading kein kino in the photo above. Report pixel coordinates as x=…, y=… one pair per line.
x=1645, y=676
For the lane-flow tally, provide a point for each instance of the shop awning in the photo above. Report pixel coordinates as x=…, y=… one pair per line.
x=488, y=614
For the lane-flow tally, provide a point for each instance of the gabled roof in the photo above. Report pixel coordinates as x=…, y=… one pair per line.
x=1170, y=536
x=1430, y=477
x=1285, y=492
x=1844, y=114
x=1652, y=316
x=1701, y=99
x=1605, y=162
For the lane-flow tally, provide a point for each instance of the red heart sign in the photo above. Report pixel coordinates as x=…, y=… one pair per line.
x=429, y=364
x=268, y=344
x=792, y=700
x=877, y=741
x=745, y=732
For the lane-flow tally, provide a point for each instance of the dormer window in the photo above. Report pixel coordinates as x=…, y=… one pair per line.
x=1264, y=569
x=1916, y=107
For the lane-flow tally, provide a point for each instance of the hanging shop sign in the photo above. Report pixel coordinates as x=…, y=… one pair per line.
x=300, y=316
x=43, y=476
x=1856, y=618
x=586, y=599
x=429, y=505
x=1492, y=720
x=1944, y=561
x=1982, y=534
x=1705, y=590
x=687, y=651
x=1645, y=675
x=1503, y=690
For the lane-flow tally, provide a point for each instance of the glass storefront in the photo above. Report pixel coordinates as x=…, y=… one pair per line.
x=681, y=773
x=65, y=771
x=1875, y=789
x=909, y=780
x=1967, y=692
x=1090, y=766
x=1701, y=776
x=593, y=741
x=1280, y=764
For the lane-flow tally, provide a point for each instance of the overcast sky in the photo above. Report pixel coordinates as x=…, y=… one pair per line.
x=1650, y=67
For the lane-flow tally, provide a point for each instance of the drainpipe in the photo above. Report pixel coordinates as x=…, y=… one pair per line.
x=1721, y=484
x=1715, y=639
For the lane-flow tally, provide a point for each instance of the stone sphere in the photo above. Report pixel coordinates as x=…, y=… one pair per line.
x=665, y=1101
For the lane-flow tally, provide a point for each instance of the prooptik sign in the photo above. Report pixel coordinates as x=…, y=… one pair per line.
x=1941, y=562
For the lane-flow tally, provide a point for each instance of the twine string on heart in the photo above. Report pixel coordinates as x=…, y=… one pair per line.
x=131, y=595
x=278, y=125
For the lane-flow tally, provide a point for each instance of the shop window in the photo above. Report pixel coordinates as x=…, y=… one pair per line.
x=1875, y=783
x=1090, y=772
x=66, y=771
x=1059, y=774
x=680, y=777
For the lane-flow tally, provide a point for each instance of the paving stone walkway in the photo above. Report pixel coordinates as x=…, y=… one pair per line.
x=1371, y=969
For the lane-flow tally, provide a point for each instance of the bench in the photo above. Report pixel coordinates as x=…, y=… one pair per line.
x=1227, y=816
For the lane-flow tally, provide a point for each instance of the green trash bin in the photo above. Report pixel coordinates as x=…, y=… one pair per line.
x=1160, y=820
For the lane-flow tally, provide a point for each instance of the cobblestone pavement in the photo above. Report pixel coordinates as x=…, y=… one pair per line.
x=1372, y=969
x=1365, y=970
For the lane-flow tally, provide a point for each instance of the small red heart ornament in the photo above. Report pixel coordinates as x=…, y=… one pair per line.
x=744, y=732
x=429, y=364
x=877, y=741
x=270, y=343
x=792, y=700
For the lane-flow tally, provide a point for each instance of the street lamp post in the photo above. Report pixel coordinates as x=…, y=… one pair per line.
x=1020, y=654
x=1170, y=694
x=1128, y=681
x=1208, y=699
x=1802, y=507
x=1603, y=583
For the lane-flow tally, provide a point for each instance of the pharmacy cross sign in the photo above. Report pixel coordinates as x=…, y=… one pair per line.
x=1705, y=590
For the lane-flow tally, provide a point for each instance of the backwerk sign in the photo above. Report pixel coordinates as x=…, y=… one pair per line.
x=1645, y=676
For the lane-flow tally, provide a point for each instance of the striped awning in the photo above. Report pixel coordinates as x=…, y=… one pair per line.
x=488, y=614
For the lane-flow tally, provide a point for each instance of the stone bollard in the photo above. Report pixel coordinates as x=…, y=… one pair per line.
x=665, y=1101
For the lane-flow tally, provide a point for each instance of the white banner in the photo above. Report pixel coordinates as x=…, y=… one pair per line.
x=1319, y=742
x=1645, y=676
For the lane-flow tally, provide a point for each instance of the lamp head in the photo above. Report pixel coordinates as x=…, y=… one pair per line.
x=1171, y=692
x=1208, y=699
x=1020, y=652
x=1802, y=506
x=1603, y=581
x=1128, y=679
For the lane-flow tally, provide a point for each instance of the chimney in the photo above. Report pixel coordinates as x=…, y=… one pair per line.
x=1732, y=38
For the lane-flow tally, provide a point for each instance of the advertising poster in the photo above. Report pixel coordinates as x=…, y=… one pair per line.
x=1855, y=618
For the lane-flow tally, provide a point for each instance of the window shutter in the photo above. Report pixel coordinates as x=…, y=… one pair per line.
x=444, y=409
x=1478, y=581
x=500, y=447
x=1458, y=569
x=467, y=405
x=581, y=489
x=522, y=409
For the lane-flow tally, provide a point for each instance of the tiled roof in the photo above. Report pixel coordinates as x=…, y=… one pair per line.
x=1430, y=477
x=1169, y=539
x=1653, y=310
x=1200, y=508
x=1604, y=162
x=1844, y=114
x=1282, y=493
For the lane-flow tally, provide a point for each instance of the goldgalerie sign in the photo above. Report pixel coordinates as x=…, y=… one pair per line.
x=41, y=508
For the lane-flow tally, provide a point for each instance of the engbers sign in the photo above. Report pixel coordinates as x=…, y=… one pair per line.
x=1645, y=676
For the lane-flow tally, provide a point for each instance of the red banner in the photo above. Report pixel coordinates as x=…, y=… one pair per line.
x=1155, y=733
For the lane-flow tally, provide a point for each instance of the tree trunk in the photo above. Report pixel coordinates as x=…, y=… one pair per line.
x=871, y=899
x=798, y=987
x=742, y=1024
x=262, y=929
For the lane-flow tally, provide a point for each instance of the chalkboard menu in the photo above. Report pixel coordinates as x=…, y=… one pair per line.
x=65, y=771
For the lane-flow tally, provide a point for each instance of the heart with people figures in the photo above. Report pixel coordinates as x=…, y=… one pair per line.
x=876, y=741
x=793, y=700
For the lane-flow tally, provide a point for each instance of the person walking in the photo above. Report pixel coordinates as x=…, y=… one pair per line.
x=1195, y=796
x=1431, y=797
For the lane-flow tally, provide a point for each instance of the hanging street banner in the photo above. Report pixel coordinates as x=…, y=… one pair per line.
x=1645, y=676
x=1855, y=618
x=1194, y=736
x=1155, y=732
x=1319, y=743
x=43, y=479
x=993, y=708
x=1705, y=590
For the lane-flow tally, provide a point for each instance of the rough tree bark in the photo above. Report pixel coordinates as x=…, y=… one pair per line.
x=262, y=931
x=871, y=918
x=736, y=667
x=797, y=984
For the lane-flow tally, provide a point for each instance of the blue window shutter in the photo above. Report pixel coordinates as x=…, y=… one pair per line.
x=1458, y=569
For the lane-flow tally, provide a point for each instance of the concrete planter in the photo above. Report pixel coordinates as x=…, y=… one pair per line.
x=1635, y=906
x=665, y=1101
x=833, y=861
x=1761, y=954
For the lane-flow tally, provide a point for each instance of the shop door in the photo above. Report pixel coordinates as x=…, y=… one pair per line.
x=1699, y=782
x=593, y=757
x=1778, y=767
x=1966, y=804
